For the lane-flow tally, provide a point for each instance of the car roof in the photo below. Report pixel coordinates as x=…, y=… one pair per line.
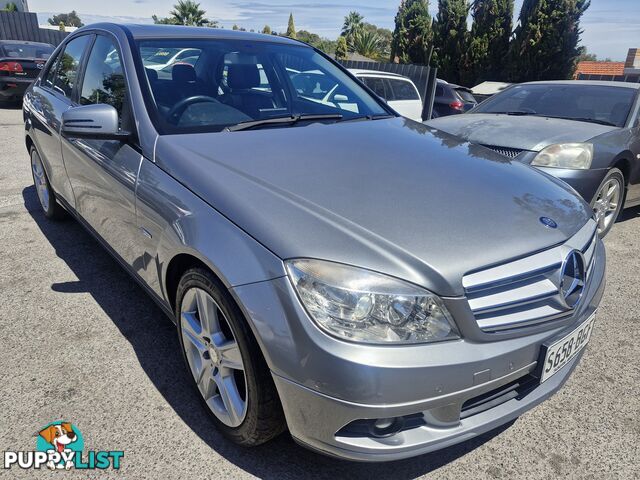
x=598, y=83
x=24, y=42
x=375, y=73
x=153, y=31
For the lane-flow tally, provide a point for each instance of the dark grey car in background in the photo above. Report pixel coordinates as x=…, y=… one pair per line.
x=318, y=278
x=586, y=133
x=20, y=64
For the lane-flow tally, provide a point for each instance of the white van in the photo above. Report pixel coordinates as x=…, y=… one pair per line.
x=398, y=91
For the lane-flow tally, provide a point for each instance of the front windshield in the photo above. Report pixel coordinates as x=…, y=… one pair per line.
x=588, y=103
x=223, y=83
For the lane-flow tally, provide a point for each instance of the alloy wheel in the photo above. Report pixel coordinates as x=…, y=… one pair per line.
x=40, y=180
x=607, y=204
x=214, y=356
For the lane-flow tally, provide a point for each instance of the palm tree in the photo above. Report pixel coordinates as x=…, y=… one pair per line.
x=352, y=24
x=188, y=12
x=367, y=43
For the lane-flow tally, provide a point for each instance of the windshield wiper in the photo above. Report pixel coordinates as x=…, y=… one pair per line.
x=587, y=119
x=288, y=119
x=520, y=113
x=380, y=116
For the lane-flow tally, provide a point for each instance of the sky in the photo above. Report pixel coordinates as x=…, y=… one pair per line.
x=610, y=27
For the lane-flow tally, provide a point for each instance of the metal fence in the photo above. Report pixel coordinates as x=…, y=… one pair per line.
x=424, y=77
x=24, y=26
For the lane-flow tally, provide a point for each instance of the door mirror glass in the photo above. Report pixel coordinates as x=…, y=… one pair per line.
x=98, y=121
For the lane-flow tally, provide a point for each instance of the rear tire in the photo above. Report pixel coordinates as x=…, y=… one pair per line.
x=608, y=201
x=218, y=347
x=51, y=208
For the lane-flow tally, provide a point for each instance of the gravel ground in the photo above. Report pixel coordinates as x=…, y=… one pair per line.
x=81, y=341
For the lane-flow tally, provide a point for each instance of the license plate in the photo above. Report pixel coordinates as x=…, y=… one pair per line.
x=559, y=353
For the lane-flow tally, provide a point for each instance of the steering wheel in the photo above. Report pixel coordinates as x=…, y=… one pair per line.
x=179, y=108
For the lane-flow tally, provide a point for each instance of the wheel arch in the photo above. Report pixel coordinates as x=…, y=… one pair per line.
x=184, y=261
x=623, y=164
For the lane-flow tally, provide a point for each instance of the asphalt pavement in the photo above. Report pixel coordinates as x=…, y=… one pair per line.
x=82, y=342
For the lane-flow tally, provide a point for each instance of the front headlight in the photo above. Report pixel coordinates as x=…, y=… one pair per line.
x=565, y=155
x=368, y=307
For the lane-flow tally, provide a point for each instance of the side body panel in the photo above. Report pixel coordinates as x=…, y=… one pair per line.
x=45, y=111
x=174, y=221
x=103, y=175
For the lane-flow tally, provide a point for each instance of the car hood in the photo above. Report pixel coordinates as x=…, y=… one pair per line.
x=521, y=132
x=387, y=195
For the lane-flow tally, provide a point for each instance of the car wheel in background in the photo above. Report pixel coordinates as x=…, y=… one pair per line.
x=225, y=362
x=51, y=208
x=608, y=200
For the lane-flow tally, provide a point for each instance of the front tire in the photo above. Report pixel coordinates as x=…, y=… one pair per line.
x=46, y=195
x=608, y=200
x=224, y=360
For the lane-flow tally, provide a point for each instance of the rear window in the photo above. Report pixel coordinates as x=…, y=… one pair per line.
x=466, y=95
x=18, y=50
x=403, y=90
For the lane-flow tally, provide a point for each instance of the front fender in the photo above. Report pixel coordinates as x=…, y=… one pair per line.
x=173, y=221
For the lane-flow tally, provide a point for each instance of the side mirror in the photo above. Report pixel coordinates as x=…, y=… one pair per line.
x=98, y=121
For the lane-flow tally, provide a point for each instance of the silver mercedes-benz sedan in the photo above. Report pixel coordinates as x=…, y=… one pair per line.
x=380, y=289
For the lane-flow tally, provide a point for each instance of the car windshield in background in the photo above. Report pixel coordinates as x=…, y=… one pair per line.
x=212, y=85
x=18, y=50
x=587, y=103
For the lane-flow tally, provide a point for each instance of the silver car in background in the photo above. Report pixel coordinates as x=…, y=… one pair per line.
x=586, y=133
x=319, y=277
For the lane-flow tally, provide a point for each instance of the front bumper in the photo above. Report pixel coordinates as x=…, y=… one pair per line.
x=328, y=387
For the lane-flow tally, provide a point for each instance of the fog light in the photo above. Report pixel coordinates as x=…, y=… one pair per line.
x=386, y=427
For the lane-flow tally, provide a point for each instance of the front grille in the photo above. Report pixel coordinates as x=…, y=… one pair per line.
x=526, y=291
x=506, y=151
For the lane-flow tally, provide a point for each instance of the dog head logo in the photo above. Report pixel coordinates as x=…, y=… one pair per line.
x=63, y=439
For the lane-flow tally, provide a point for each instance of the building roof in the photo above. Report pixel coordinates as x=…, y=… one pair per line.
x=600, y=68
x=489, y=88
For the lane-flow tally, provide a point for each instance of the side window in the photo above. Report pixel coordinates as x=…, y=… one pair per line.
x=67, y=69
x=377, y=85
x=104, y=79
x=403, y=90
x=439, y=91
x=47, y=79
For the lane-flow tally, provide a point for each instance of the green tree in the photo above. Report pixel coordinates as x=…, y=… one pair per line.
x=366, y=43
x=352, y=25
x=266, y=30
x=342, y=50
x=489, y=45
x=70, y=19
x=451, y=38
x=10, y=7
x=188, y=12
x=163, y=20
x=546, y=43
x=61, y=27
x=291, y=28
x=586, y=56
x=413, y=36
x=385, y=38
